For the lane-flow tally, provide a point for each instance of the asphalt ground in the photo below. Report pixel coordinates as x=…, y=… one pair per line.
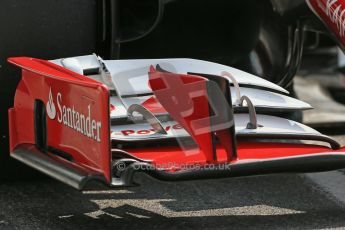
x=265, y=202
x=291, y=201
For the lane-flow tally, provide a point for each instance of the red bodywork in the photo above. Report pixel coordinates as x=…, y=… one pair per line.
x=332, y=14
x=78, y=92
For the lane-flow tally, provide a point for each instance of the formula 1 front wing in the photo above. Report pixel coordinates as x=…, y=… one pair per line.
x=84, y=118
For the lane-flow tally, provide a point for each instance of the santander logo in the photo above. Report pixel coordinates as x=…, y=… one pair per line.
x=50, y=107
x=72, y=117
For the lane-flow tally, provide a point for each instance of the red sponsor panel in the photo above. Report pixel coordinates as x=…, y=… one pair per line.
x=77, y=113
